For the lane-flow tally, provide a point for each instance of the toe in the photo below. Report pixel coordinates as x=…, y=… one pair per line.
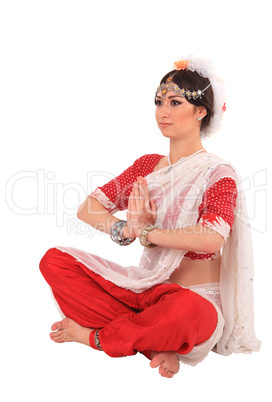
x=61, y=324
x=55, y=335
x=59, y=337
x=156, y=361
x=56, y=326
x=162, y=371
x=167, y=373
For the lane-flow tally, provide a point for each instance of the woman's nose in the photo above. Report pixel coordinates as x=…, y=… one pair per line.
x=164, y=111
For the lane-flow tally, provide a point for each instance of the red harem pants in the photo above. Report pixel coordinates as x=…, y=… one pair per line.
x=165, y=317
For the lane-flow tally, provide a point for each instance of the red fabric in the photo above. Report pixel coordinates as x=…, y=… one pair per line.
x=219, y=200
x=119, y=189
x=165, y=317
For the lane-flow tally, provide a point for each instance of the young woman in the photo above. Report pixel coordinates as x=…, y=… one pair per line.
x=192, y=291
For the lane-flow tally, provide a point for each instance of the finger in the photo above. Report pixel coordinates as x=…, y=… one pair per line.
x=135, y=190
x=153, y=206
x=146, y=188
x=140, y=187
x=135, y=206
x=135, y=195
x=129, y=225
x=145, y=195
x=128, y=210
x=131, y=205
x=152, y=210
x=130, y=198
x=138, y=197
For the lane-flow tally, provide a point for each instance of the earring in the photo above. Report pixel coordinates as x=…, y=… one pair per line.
x=199, y=118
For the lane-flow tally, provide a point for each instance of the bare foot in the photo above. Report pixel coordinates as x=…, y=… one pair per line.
x=168, y=362
x=68, y=330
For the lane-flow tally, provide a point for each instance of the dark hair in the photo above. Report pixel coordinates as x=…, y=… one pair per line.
x=192, y=81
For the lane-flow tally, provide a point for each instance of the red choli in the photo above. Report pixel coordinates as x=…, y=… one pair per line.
x=217, y=206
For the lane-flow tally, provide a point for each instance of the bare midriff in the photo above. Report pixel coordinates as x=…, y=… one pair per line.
x=193, y=272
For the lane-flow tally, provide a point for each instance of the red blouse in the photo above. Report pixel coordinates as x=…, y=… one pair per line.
x=215, y=211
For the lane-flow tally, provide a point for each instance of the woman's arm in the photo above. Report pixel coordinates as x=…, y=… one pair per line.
x=96, y=215
x=114, y=195
x=141, y=212
x=196, y=238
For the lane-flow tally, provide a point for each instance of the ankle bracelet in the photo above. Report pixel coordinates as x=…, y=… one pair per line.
x=96, y=340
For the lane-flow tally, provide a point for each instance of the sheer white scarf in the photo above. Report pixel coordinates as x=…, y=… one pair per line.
x=178, y=194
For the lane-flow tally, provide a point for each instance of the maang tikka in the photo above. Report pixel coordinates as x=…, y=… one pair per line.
x=170, y=86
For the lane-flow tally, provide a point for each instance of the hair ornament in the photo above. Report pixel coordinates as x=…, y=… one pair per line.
x=204, y=68
x=170, y=86
x=181, y=64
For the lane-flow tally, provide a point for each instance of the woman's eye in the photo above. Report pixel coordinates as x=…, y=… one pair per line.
x=158, y=102
x=175, y=103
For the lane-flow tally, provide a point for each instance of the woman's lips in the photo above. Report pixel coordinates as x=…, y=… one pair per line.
x=164, y=125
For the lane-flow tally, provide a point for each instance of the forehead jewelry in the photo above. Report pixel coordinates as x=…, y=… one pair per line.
x=170, y=86
x=204, y=68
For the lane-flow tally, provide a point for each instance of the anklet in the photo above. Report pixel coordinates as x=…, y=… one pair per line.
x=96, y=340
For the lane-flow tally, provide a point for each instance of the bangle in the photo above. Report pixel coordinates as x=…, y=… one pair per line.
x=116, y=234
x=143, y=237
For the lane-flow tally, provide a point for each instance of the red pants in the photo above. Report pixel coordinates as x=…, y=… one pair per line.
x=165, y=317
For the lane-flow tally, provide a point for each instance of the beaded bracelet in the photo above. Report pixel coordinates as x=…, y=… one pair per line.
x=116, y=234
x=143, y=237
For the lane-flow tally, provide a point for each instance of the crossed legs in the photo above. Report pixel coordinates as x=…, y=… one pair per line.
x=165, y=318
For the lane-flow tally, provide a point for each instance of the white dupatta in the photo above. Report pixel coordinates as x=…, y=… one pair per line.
x=178, y=194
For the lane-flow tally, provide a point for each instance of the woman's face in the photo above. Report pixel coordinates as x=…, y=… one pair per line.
x=176, y=117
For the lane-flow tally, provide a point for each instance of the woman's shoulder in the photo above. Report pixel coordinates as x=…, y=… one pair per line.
x=147, y=162
x=222, y=169
x=148, y=158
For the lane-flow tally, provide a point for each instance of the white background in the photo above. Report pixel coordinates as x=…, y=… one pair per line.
x=77, y=87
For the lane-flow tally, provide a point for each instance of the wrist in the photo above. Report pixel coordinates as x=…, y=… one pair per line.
x=144, y=236
x=125, y=232
x=117, y=233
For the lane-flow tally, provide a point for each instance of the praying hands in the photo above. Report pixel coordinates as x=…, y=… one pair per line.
x=141, y=209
